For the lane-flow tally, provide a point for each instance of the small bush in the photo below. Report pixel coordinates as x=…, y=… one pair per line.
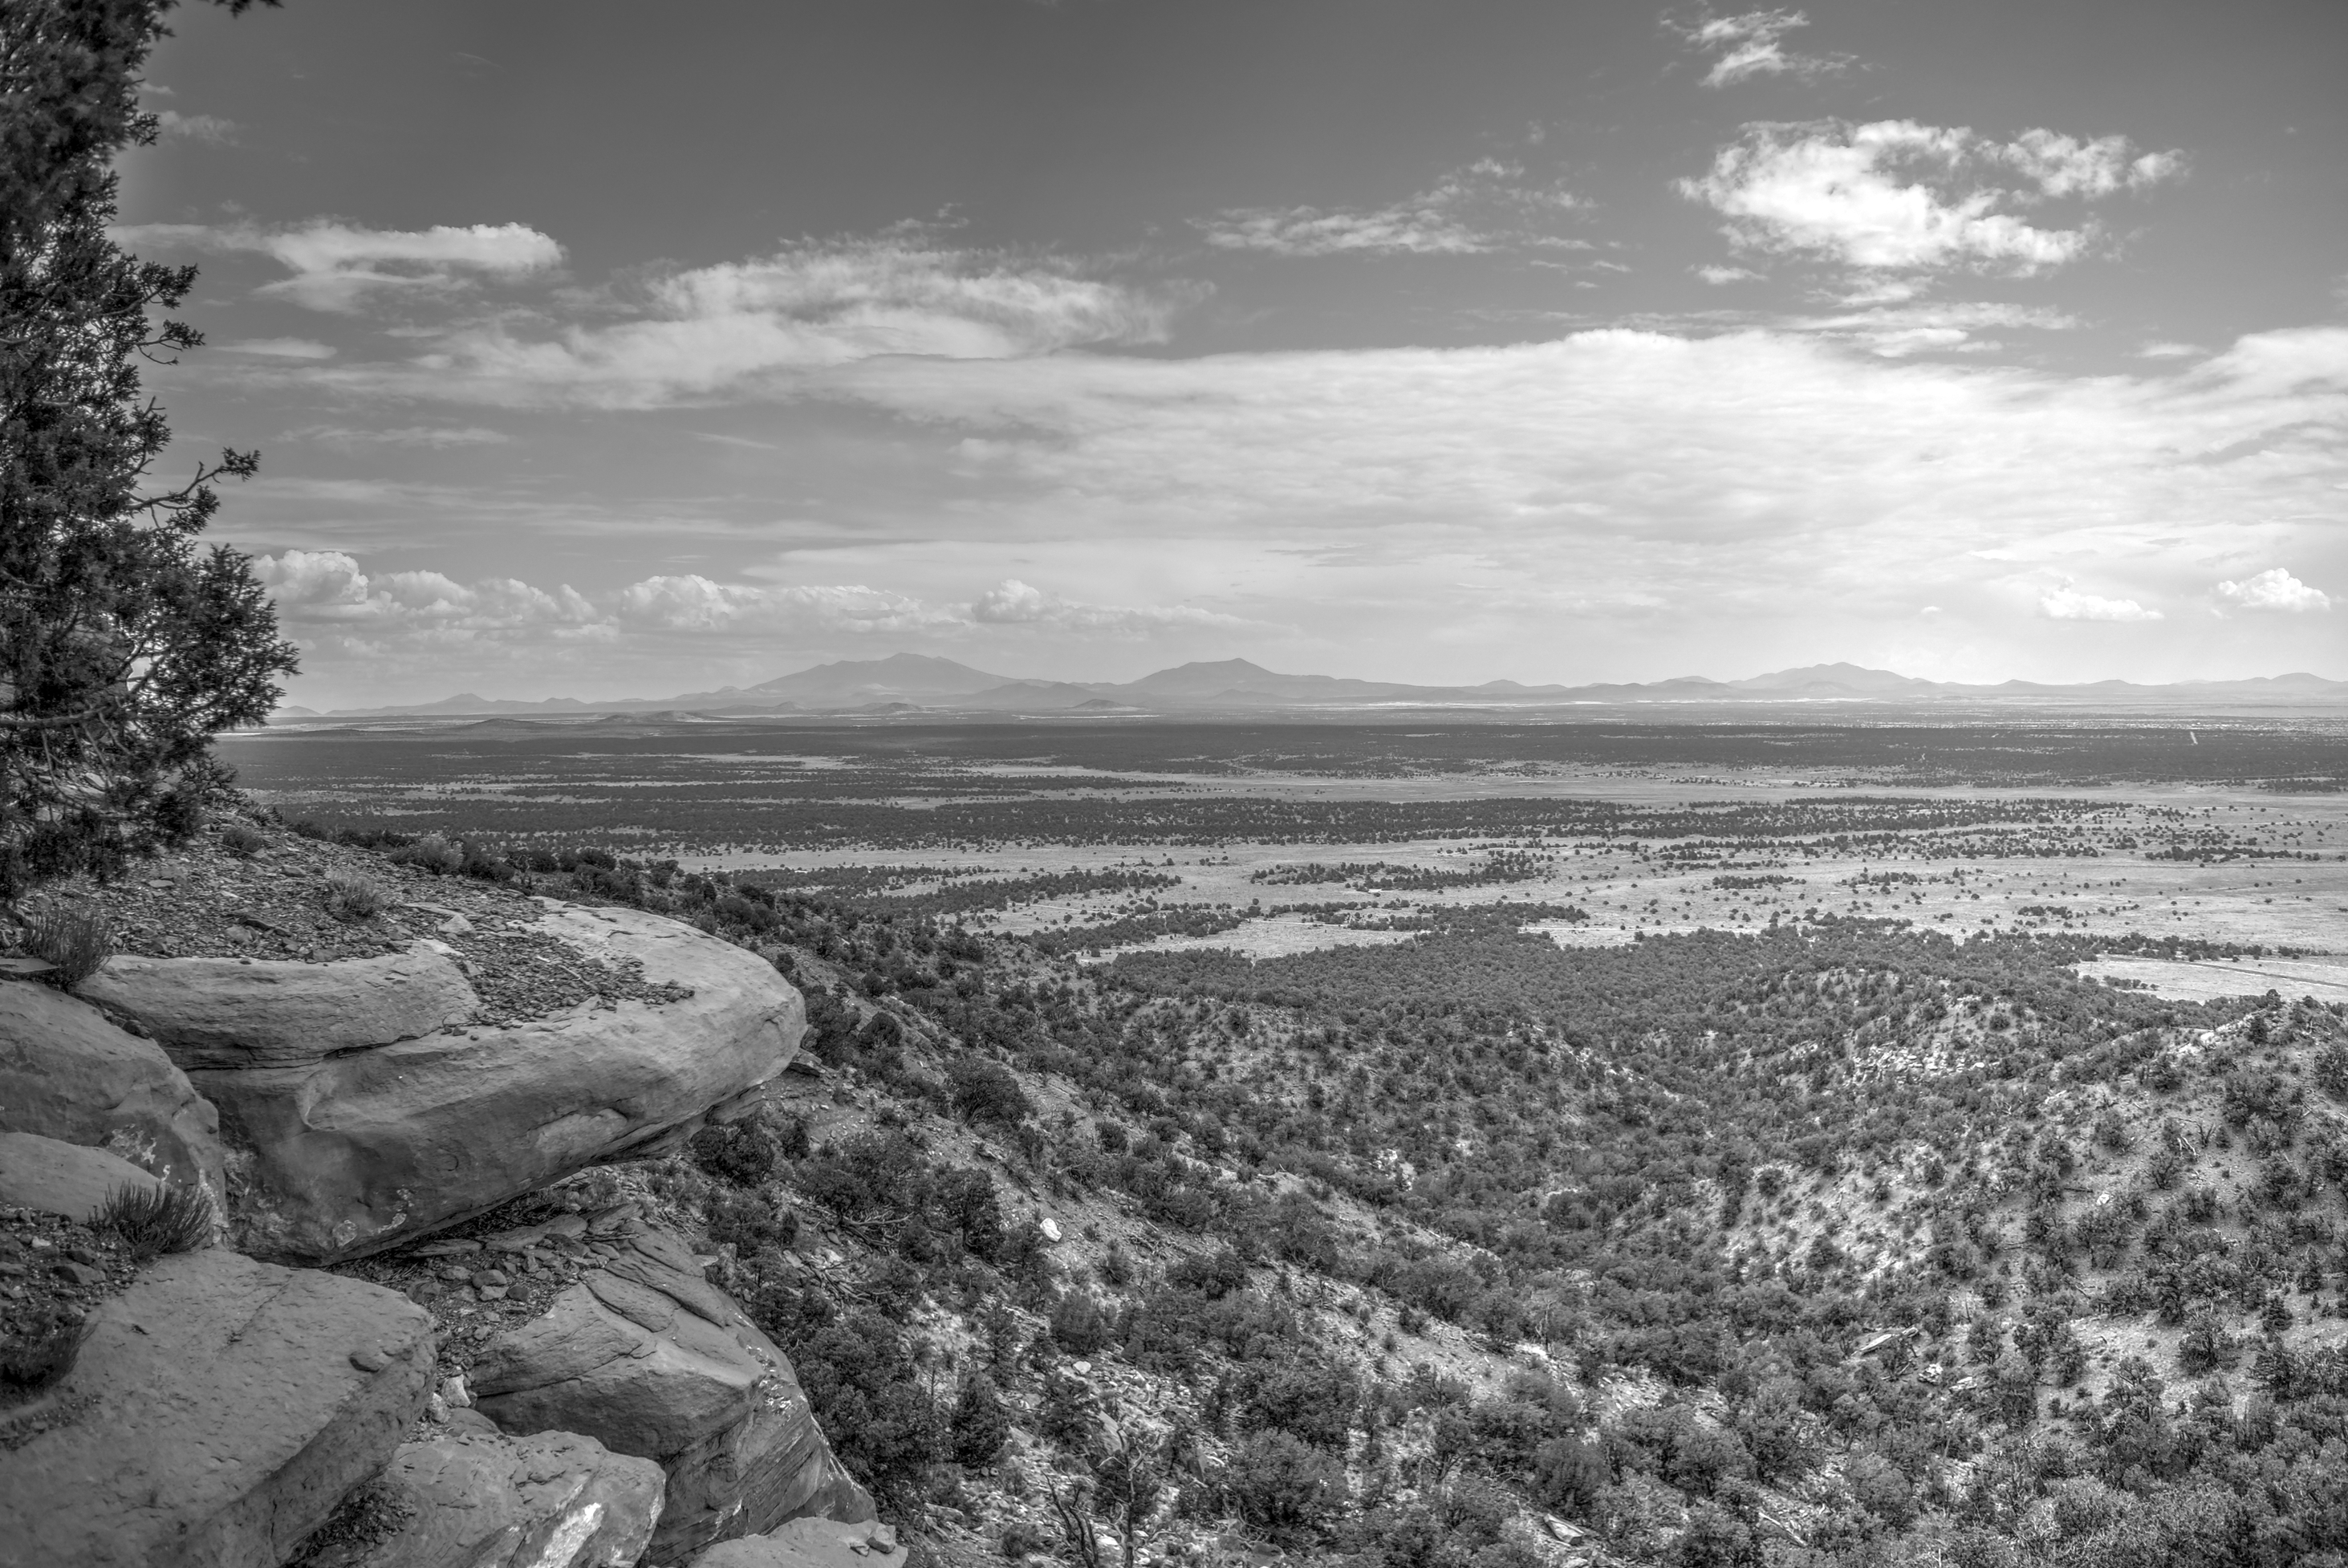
x=353, y=897
x=153, y=1220
x=243, y=841
x=41, y=1352
x=76, y=942
x=742, y=1154
x=750, y=1223
x=433, y=853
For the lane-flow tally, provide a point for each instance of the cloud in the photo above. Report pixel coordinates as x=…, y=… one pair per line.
x=2068, y=604
x=432, y=437
x=747, y=327
x=1747, y=46
x=206, y=128
x=694, y=604
x=1012, y=602
x=2274, y=589
x=1897, y=195
x=1482, y=207
x=1718, y=276
x=326, y=588
x=338, y=266
x=280, y=348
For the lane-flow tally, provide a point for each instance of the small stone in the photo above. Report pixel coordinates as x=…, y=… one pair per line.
x=456, y=1276
x=370, y=1358
x=491, y=1277
x=491, y=1292
x=80, y=1273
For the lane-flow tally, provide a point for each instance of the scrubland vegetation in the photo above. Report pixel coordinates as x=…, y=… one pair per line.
x=1843, y=1242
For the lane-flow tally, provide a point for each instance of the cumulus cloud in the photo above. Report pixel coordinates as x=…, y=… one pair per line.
x=337, y=266
x=2274, y=589
x=1012, y=602
x=2068, y=604
x=1748, y=45
x=1482, y=207
x=327, y=588
x=1718, y=276
x=1899, y=195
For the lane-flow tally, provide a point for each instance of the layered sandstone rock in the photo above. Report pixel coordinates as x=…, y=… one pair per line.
x=221, y=1410
x=229, y=1013
x=650, y=1359
x=481, y=1499
x=371, y=1146
x=69, y=1073
x=67, y=1178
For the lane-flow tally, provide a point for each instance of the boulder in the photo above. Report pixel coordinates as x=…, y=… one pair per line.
x=226, y=1014
x=809, y=1543
x=68, y=1072
x=369, y=1148
x=221, y=1410
x=481, y=1499
x=650, y=1359
x=67, y=1178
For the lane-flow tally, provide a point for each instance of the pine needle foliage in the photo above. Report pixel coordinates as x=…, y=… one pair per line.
x=125, y=646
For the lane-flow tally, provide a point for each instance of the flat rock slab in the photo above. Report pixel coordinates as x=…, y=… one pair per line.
x=372, y=1148
x=650, y=1359
x=67, y=1178
x=481, y=1499
x=226, y=1014
x=224, y=1407
x=68, y=1072
x=809, y=1543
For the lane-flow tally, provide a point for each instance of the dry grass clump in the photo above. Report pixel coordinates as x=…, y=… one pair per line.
x=354, y=897
x=243, y=841
x=431, y=853
x=76, y=942
x=153, y=1220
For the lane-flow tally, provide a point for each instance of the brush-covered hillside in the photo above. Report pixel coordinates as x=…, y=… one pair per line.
x=1842, y=1244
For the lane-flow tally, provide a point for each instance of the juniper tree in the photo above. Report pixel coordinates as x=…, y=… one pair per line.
x=125, y=645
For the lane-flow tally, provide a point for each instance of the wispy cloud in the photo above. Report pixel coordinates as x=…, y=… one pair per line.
x=205, y=128
x=1486, y=206
x=430, y=437
x=1895, y=195
x=1012, y=602
x=739, y=328
x=2274, y=589
x=1749, y=45
x=338, y=266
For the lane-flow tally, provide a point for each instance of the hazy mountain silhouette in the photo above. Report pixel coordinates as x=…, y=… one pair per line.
x=910, y=683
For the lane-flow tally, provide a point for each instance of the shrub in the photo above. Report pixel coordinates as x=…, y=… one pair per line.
x=354, y=897
x=76, y=942
x=1283, y=1485
x=741, y=1153
x=41, y=1352
x=985, y=1091
x=980, y=1426
x=153, y=1220
x=1077, y=1325
x=748, y=1221
x=243, y=841
x=433, y=853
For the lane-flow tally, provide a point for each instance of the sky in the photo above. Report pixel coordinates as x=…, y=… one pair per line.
x=600, y=350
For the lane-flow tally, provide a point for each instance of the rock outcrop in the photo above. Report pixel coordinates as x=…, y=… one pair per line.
x=67, y=1178
x=68, y=1073
x=648, y=1357
x=229, y=1013
x=809, y=1543
x=480, y=1500
x=221, y=1410
x=369, y=1148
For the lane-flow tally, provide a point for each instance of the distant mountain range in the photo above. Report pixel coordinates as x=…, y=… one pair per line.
x=915, y=682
